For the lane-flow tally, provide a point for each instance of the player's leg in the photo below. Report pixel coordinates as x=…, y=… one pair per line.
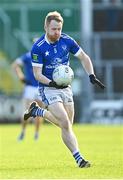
x=38, y=120
x=26, y=103
x=68, y=103
x=70, y=111
x=28, y=96
x=35, y=111
x=32, y=94
x=58, y=117
x=68, y=135
x=61, y=119
x=69, y=107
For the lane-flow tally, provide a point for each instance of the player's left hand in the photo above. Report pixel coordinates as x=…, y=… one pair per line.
x=94, y=80
x=53, y=84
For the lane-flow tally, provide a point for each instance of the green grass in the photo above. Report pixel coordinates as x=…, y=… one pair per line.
x=48, y=158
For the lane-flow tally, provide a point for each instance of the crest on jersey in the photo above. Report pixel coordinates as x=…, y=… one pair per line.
x=64, y=47
x=56, y=61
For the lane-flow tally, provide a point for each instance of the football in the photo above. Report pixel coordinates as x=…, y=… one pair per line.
x=63, y=75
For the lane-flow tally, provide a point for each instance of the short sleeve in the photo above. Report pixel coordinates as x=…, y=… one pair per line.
x=36, y=56
x=19, y=61
x=74, y=47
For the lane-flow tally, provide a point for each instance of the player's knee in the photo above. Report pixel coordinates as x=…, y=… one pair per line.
x=71, y=121
x=65, y=124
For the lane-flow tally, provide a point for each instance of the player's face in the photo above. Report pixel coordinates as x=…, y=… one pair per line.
x=53, y=30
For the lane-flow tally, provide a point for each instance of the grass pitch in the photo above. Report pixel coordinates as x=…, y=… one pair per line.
x=48, y=158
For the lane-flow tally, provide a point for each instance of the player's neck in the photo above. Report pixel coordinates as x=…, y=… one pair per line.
x=49, y=40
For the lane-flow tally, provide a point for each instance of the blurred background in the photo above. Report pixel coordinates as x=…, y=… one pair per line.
x=96, y=25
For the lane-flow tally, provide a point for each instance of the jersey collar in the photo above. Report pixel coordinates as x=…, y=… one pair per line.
x=46, y=39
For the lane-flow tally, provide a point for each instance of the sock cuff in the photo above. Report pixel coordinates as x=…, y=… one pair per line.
x=76, y=151
x=44, y=111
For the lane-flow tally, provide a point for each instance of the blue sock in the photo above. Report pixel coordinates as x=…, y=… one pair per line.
x=77, y=156
x=38, y=112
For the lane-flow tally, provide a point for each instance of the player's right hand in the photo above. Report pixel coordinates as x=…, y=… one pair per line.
x=53, y=84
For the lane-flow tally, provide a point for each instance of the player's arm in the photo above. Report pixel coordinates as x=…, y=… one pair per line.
x=17, y=66
x=43, y=79
x=87, y=64
x=39, y=76
x=37, y=64
x=18, y=70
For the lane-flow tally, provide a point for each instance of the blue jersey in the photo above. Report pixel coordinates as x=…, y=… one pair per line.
x=25, y=61
x=51, y=55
